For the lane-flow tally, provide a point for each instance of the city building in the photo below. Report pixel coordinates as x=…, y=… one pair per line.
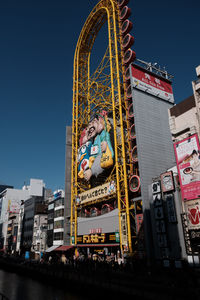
x=12, y=228
x=58, y=228
x=184, y=121
x=184, y=117
x=39, y=243
x=33, y=206
x=10, y=201
x=4, y=187
x=50, y=223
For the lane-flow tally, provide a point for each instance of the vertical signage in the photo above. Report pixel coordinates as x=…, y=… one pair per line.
x=187, y=154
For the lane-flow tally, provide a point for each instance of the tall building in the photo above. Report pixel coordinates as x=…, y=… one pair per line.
x=58, y=228
x=185, y=128
x=50, y=223
x=39, y=243
x=184, y=117
x=32, y=206
x=10, y=201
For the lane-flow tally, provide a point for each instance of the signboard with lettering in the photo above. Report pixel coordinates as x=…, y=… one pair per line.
x=151, y=84
x=98, y=192
x=192, y=209
x=171, y=211
x=98, y=238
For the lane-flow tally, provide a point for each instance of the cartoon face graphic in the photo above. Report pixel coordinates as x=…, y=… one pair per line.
x=83, y=158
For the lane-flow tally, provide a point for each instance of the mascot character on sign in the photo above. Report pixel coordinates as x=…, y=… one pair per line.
x=96, y=152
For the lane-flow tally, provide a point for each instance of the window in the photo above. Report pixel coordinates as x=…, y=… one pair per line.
x=50, y=216
x=51, y=206
x=59, y=224
x=58, y=236
x=50, y=226
x=59, y=202
x=59, y=213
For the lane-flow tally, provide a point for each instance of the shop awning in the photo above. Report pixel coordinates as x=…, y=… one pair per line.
x=64, y=248
x=52, y=248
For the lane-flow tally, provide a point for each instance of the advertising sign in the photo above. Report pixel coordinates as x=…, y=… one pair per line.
x=188, y=162
x=14, y=205
x=192, y=209
x=98, y=192
x=98, y=238
x=151, y=84
x=139, y=221
x=95, y=153
x=167, y=182
x=171, y=210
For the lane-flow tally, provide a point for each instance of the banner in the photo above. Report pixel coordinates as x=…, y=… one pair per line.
x=98, y=192
x=188, y=162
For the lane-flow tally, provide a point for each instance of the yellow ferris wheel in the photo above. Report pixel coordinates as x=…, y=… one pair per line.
x=105, y=90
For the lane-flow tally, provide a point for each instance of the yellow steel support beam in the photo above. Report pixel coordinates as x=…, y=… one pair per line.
x=108, y=80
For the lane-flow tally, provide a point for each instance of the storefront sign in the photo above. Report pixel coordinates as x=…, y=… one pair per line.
x=98, y=192
x=101, y=238
x=151, y=84
x=187, y=154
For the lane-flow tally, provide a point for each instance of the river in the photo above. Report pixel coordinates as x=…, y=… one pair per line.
x=17, y=287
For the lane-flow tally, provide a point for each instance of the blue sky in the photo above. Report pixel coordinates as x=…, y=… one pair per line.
x=37, y=44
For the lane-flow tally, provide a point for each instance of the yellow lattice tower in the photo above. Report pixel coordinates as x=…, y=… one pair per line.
x=102, y=90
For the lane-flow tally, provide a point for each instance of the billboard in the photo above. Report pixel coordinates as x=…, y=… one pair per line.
x=97, y=193
x=192, y=210
x=187, y=154
x=95, y=153
x=98, y=238
x=157, y=86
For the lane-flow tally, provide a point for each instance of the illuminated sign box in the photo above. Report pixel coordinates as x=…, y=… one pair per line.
x=101, y=238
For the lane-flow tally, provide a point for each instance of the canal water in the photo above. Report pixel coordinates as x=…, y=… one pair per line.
x=17, y=287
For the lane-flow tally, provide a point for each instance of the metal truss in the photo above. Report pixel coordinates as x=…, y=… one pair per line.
x=102, y=90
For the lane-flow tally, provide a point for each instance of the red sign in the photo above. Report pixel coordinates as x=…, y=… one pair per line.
x=192, y=209
x=139, y=220
x=151, y=84
x=187, y=154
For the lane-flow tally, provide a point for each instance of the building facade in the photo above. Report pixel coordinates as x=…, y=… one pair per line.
x=184, y=121
x=58, y=228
